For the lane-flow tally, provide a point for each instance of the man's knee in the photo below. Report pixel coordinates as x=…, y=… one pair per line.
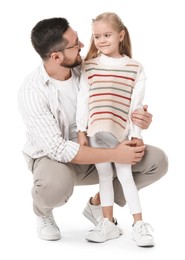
x=160, y=162
x=53, y=183
x=163, y=165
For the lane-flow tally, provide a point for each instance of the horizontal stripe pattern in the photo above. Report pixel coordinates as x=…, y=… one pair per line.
x=110, y=75
x=110, y=96
x=108, y=118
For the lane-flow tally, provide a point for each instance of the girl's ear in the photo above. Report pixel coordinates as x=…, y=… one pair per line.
x=122, y=35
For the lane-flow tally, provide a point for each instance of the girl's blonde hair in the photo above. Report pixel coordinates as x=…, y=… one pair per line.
x=117, y=24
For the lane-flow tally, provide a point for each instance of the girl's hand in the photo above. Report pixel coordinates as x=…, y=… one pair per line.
x=142, y=117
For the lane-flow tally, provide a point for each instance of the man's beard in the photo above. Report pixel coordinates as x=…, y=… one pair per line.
x=68, y=64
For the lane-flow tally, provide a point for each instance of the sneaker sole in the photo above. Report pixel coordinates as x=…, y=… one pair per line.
x=49, y=238
x=149, y=244
x=101, y=241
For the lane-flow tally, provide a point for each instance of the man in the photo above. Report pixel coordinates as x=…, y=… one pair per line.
x=47, y=100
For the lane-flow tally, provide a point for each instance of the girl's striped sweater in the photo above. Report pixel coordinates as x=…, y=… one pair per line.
x=110, y=96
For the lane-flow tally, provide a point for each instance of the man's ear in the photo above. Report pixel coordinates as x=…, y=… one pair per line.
x=57, y=56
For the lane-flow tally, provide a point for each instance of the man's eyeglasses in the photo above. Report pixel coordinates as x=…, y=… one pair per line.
x=75, y=45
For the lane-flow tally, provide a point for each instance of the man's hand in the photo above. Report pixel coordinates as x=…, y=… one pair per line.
x=82, y=139
x=127, y=153
x=142, y=117
x=137, y=141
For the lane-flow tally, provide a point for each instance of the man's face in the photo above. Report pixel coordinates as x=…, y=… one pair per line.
x=71, y=53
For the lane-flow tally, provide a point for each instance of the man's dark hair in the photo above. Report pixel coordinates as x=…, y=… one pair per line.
x=47, y=36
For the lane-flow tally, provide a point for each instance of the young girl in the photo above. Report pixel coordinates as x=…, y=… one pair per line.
x=111, y=87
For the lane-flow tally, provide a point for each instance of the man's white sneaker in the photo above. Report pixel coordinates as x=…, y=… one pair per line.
x=141, y=234
x=47, y=229
x=93, y=212
x=104, y=231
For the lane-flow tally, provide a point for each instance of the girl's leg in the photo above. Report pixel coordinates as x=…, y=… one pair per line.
x=105, y=173
x=150, y=169
x=125, y=177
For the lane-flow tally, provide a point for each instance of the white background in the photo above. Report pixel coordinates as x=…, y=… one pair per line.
x=157, y=30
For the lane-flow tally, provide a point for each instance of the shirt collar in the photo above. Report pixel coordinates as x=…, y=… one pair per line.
x=46, y=77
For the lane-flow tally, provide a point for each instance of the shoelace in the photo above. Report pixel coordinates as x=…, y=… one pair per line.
x=102, y=224
x=144, y=229
x=48, y=220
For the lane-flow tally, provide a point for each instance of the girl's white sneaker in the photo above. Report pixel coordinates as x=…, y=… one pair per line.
x=141, y=234
x=104, y=231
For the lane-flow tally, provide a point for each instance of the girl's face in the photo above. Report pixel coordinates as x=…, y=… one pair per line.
x=106, y=39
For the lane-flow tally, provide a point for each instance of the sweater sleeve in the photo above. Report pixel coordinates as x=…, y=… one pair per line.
x=137, y=103
x=82, y=112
